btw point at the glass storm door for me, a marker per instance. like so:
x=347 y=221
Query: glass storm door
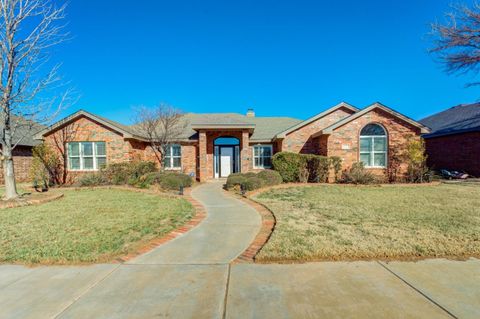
x=226 y=161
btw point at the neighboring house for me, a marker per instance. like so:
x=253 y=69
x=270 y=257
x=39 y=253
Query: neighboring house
x=218 y=144
x=454 y=142
x=22 y=154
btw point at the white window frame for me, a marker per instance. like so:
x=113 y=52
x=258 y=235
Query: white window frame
x=81 y=156
x=372 y=151
x=259 y=156
x=170 y=164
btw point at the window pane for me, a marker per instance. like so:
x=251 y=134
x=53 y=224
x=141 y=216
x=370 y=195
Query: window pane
x=380 y=144
x=167 y=162
x=73 y=149
x=256 y=150
x=101 y=148
x=177 y=162
x=87 y=149
x=267 y=161
x=267 y=151
x=257 y=162
x=365 y=159
x=379 y=159
x=101 y=162
x=365 y=144
x=74 y=162
x=372 y=129
x=169 y=151
x=88 y=163
x=177 y=150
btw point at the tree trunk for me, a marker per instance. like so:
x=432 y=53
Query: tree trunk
x=9 y=175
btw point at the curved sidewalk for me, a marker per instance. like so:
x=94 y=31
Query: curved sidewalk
x=228 y=229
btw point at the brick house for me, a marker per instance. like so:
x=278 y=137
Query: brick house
x=214 y=145
x=22 y=153
x=454 y=142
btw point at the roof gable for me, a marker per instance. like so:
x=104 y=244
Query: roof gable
x=377 y=105
x=126 y=131
x=297 y=126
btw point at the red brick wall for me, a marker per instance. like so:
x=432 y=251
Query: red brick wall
x=206 y=151
x=457 y=152
x=344 y=141
x=22 y=161
x=301 y=141
x=85 y=129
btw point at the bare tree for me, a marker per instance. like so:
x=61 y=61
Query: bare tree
x=28 y=30
x=457 y=41
x=162 y=126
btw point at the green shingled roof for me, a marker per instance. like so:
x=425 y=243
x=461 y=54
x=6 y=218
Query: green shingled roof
x=265 y=127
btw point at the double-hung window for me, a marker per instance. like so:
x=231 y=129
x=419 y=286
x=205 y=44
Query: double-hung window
x=87 y=156
x=373 y=146
x=173 y=157
x=262 y=156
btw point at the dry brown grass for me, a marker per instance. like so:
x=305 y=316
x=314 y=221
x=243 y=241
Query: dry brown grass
x=334 y=222
x=87 y=226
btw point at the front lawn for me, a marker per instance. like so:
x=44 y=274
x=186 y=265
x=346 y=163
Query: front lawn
x=339 y=222
x=88 y=225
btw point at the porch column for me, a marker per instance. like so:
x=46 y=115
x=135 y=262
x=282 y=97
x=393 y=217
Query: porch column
x=202 y=156
x=245 y=152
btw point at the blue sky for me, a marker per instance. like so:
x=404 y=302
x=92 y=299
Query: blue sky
x=284 y=58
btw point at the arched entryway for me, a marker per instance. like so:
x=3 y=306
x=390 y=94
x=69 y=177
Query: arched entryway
x=226 y=159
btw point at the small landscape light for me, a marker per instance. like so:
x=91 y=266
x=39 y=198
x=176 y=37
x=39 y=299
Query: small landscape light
x=180 y=191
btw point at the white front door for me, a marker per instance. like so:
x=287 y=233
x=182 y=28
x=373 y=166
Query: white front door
x=226 y=161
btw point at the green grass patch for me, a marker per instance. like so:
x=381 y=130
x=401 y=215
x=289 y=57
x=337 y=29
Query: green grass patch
x=338 y=222
x=88 y=225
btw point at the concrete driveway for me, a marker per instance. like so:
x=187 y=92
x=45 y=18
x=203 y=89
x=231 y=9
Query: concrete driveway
x=193 y=277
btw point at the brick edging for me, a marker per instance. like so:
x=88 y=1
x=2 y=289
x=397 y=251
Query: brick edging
x=200 y=214
x=30 y=202
x=266 y=230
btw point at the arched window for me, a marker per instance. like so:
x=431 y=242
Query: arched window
x=373 y=146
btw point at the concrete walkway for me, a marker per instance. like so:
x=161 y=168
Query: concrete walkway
x=193 y=277
x=228 y=230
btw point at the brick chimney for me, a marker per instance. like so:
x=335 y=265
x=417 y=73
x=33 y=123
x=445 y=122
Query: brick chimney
x=250 y=113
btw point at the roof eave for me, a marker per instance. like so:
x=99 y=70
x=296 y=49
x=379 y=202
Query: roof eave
x=331 y=128
x=77 y=114
x=284 y=133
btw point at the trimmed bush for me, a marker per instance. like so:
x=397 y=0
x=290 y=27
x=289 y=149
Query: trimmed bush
x=235 y=180
x=317 y=167
x=166 y=180
x=92 y=179
x=173 y=181
x=253 y=183
x=128 y=172
x=270 y=177
x=336 y=164
x=289 y=165
x=358 y=175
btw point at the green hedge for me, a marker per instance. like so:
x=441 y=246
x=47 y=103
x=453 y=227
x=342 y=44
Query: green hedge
x=127 y=172
x=139 y=174
x=251 y=181
x=166 y=180
x=289 y=166
x=294 y=167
